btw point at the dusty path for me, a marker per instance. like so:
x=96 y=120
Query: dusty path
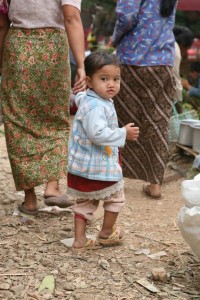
x=31 y=249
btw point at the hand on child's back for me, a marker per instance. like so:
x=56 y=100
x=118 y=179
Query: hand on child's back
x=132 y=132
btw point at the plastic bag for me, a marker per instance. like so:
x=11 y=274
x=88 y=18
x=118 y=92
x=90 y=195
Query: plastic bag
x=189 y=215
x=189 y=225
x=196 y=162
x=191 y=192
x=197 y=177
x=175 y=121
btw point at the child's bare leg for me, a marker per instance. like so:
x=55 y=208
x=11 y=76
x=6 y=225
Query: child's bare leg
x=80 y=232
x=108 y=223
x=112 y=207
x=84 y=211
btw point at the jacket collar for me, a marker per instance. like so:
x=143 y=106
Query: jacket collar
x=91 y=93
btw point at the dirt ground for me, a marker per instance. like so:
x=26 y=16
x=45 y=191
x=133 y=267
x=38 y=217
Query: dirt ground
x=32 y=253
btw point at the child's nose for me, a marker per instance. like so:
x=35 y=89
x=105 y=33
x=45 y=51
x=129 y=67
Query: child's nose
x=111 y=83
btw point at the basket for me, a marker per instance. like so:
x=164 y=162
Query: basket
x=175 y=120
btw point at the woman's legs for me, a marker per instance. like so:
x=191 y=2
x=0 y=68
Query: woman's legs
x=154 y=190
x=52 y=188
x=37 y=144
x=149 y=93
x=30 y=200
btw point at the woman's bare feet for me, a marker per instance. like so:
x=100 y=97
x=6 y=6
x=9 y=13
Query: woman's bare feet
x=52 y=189
x=30 y=200
x=153 y=190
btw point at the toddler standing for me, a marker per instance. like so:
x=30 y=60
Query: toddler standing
x=94 y=168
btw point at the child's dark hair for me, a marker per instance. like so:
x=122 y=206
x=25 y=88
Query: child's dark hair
x=195 y=66
x=183 y=36
x=98 y=59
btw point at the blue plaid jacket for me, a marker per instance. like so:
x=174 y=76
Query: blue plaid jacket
x=93 y=150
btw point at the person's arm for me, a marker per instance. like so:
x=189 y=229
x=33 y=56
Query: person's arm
x=192 y=91
x=4 y=26
x=127 y=17
x=75 y=33
x=195 y=91
x=96 y=127
x=98 y=132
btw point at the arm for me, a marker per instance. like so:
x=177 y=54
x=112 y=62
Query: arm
x=98 y=132
x=195 y=91
x=75 y=33
x=127 y=17
x=4 y=26
x=192 y=91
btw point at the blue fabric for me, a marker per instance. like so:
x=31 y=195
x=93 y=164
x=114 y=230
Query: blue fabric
x=195 y=91
x=95 y=126
x=141 y=35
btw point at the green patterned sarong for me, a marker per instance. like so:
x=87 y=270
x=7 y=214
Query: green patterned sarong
x=35 y=101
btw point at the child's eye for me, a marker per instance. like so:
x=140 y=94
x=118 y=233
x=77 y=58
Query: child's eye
x=103 y=79
x=117 y=79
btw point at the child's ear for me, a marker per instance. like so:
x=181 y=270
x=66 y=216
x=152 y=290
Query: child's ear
x=88 y=82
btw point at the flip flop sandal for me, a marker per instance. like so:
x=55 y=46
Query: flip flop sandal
x=26 y=211
x=61 y=201
x=89 y=245
x=148 y=193
x=115 y=238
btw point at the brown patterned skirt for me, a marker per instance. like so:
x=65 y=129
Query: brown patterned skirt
x=35 y=101
x=146 y=98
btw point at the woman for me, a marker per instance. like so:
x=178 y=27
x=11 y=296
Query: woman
x=35 y=92
x=144 y=40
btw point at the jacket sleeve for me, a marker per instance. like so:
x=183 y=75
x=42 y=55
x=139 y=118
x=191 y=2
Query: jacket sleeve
x=98 y=132
x=127 y=17
x=79 y=98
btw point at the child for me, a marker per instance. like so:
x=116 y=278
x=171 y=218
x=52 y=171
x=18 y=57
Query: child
x=94 y=170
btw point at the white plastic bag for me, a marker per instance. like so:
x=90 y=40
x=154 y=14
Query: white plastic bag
x=191 y=192
x=197 y=177
x=189 y=215
x=189 y=225
x=196 y=162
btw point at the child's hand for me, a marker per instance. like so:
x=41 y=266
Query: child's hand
x=132 y=132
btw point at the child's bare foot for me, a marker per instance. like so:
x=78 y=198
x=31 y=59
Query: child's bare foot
x=80 y=243
x=88 y=245
x=111 y=237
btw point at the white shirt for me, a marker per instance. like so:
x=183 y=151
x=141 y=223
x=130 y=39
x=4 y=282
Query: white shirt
x=176 y=70
x=39 y=13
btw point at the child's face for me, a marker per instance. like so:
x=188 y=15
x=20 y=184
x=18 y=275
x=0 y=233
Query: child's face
x=194 y=75
x=105 y=82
